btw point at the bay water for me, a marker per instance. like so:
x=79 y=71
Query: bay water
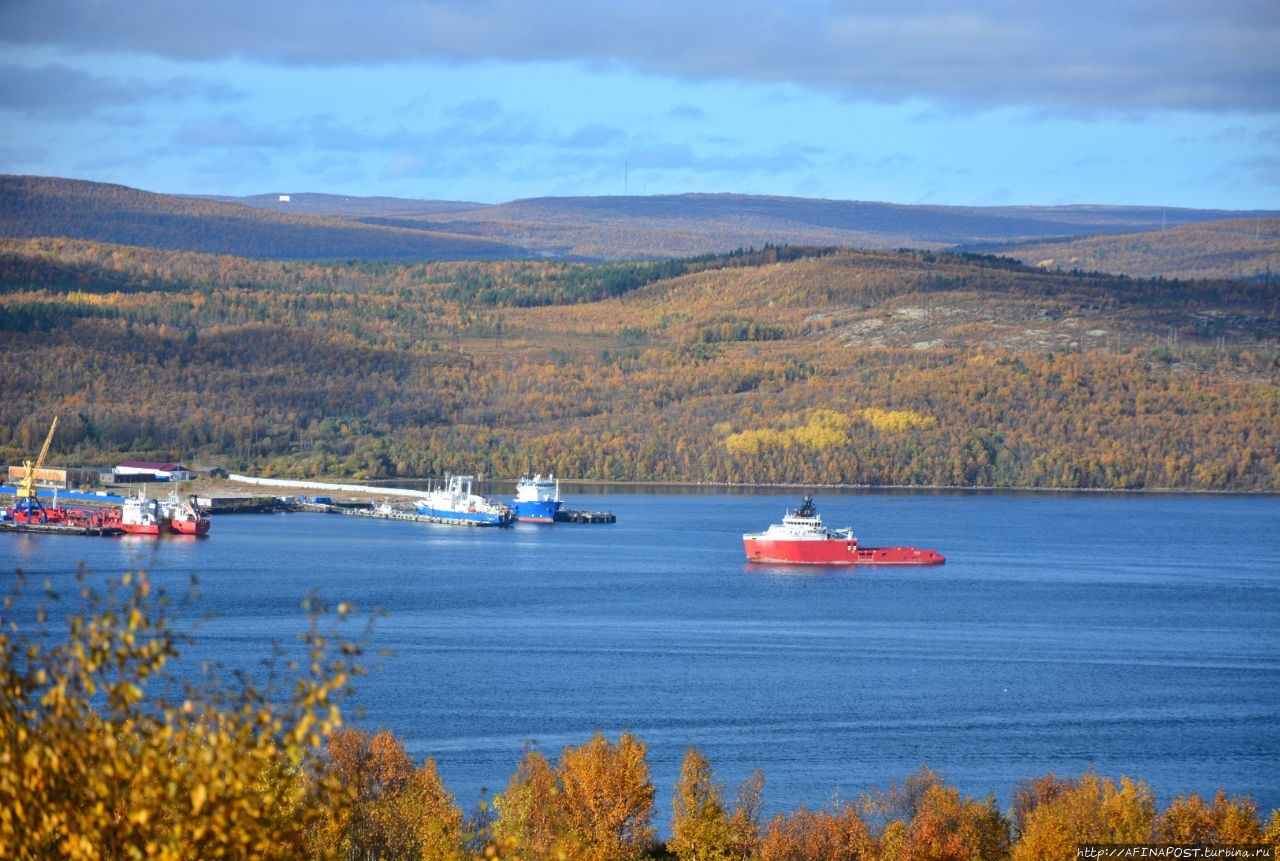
x=1133 y=635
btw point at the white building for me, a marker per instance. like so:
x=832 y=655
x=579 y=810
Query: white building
x=152 y=470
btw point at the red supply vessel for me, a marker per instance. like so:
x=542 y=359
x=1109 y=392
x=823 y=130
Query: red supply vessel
x=802 y=539
x=185 y=518
x=142 y=515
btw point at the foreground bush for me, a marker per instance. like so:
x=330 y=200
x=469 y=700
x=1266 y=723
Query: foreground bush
x=99 y=760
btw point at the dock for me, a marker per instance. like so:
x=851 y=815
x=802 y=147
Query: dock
x=386 y=510
x=57 y=528
x=566 y=516
x=386 y=513
x=391 y=513
x=238 y=504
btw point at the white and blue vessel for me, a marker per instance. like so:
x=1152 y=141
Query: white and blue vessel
x=537 y=499
x=455 y=503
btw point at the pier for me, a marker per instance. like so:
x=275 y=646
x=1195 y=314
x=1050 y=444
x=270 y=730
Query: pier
x=386 y=510
x=58 y=528
x=566 y=516
x=388 y=513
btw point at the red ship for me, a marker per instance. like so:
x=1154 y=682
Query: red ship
x=802 y=539
x=184 y=517
x=143 y=516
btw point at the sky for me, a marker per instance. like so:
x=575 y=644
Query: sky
x=1171 y=103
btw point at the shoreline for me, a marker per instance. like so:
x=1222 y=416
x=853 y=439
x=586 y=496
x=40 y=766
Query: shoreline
x=394 y=487
x=258 y=487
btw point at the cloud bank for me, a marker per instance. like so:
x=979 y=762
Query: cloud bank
x=1086 y=56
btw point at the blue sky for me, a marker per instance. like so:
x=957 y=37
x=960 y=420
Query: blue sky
x=1151 y=102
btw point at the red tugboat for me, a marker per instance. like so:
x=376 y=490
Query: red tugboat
x=802 y=539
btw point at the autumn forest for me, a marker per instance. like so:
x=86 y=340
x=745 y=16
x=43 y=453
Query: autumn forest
x=776 y=365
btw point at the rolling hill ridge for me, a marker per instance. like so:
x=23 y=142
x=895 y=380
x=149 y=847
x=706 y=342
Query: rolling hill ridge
x=308 y=226
x=43 y=207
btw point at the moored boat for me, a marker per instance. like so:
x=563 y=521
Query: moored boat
x=802 y=539
x=455 y=503
x=142 y=515
x=537 y=499
x=184 y=517
x=58 y=519
x=30 y=510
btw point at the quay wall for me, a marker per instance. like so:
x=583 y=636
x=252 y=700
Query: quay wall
x=325 y=485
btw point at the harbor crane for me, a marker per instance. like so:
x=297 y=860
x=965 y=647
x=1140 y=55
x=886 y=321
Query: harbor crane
x=28 y=503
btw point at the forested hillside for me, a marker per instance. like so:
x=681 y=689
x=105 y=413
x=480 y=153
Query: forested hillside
x=780 y=366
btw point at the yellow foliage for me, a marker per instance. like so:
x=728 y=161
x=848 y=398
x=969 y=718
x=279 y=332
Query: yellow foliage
x=818 y=437
x=702 y=827
x=83 y=298
x=1089 y=810
x=762 y=440
x=138 y=777
x=1188 y=819
x=837 y=834
x=597 y=805
x=607 y=800
x=823 y=429
x=699 y=824
x=897 y=421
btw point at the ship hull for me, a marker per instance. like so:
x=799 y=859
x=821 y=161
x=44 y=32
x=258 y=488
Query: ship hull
x=140 y=528
x=536 y=511
x=801 y=552
x=833 y=551
x=465 y=517
x=189 y=527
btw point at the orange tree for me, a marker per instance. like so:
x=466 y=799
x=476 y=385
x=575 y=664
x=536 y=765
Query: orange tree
x=596 y=805
x=396 y=810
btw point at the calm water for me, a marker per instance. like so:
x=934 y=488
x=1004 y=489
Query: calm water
x=1132 y=635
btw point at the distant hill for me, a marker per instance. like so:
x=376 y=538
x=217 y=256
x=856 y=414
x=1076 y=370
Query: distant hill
x=1237 y=248
x=32 y=207
x=681 y=225
x=710 y=220
x=346 y=206
x=321 y=226
x=614 y=228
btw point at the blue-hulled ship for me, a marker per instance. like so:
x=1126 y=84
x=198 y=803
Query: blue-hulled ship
x=455 y=503
x=537 y=499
